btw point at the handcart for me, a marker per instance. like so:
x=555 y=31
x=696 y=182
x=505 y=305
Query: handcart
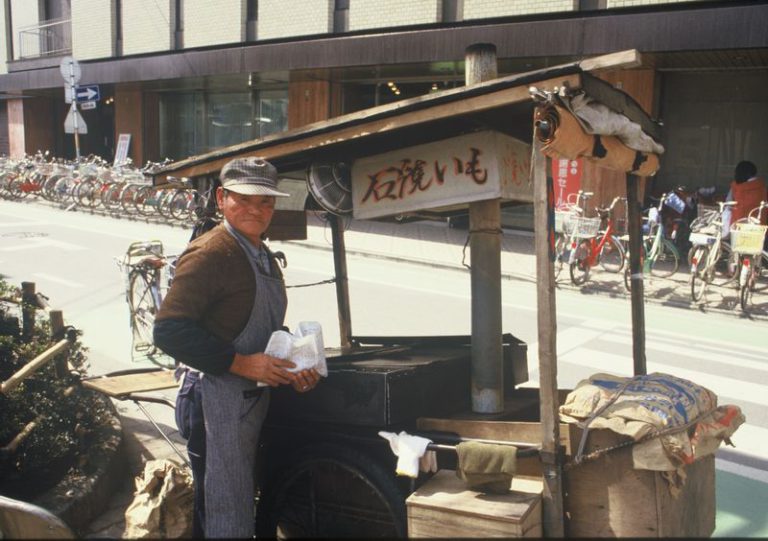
x=323 y=470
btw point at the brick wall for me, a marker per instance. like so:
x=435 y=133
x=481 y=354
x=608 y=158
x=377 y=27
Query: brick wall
x=280 y=18
x=147 y=26
x=24 y=13
x=86 y=16
x=210 y=22
x=3 y=44
x=628 y=3
x=365 y=14
x=480 y=9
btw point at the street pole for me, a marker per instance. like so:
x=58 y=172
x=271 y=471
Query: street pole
x=634 y=228
x=74 y=110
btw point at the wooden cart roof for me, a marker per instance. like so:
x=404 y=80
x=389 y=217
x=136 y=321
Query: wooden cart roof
x=501 y=104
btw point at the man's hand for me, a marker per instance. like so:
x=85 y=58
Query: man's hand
x=264 y=368
x=305 y=380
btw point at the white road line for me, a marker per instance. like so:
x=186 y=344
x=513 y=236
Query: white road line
x=23 y=224
x=739 y=469
x=37 y=243
x=57 y=280
x=728 y=356
x=727 y=389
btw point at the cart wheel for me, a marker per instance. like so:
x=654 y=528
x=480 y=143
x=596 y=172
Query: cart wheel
x=332 y=491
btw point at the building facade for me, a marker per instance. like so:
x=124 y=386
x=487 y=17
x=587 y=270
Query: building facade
x=183 y=77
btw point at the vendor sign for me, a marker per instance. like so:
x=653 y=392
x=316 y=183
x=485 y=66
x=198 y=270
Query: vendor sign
x=459 y=170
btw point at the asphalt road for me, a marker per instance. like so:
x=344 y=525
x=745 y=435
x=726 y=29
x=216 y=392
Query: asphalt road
x=70 y=257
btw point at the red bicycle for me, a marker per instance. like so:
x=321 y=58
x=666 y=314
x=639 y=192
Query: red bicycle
x=592 y=246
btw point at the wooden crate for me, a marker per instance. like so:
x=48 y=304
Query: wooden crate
x=607 y=497
x=444 y=507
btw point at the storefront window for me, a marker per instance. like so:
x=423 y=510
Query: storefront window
x=193 y=123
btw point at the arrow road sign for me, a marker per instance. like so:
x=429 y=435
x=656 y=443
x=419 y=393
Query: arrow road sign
x=87 y=93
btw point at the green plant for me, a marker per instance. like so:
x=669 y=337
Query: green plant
x=55 y=414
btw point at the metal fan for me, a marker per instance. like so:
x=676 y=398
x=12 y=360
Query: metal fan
x=330 y=185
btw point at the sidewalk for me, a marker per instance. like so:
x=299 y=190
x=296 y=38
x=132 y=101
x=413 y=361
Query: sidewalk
x=426 y=243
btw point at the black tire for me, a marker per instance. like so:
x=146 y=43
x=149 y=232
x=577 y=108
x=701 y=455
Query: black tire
x=560 y=253
x=667 y=262
x=128 y=198
x=144 y=200
x=332 y=491
x=179 y=204
x=747 y=288
x=579 y=269
x=612 y=255
x=143 y=309
x=700 y=275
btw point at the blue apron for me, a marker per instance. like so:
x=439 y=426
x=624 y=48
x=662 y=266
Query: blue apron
x=234 y=410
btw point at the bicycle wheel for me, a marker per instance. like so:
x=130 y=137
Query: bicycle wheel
x=749 y=283
x=699 y=272
x=178 y=205
x=332 y=491
x=612 y=255
x=667 y=261
x=579 y=269
x=560 y=253
x=143 y=309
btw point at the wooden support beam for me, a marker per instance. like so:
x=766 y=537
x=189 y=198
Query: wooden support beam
x=485 y=248
x=551 y=458
x=634 y=228
x=342 y=280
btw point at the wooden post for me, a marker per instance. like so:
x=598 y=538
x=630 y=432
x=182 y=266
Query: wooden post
x=28 y=303
x=57 y=330
x=634 y=228
x=342 y=281
x=543 y=206
x=485 y=248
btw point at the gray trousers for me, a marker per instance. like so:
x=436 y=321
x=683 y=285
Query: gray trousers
x=234 y=410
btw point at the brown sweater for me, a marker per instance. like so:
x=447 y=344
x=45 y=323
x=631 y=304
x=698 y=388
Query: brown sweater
x=213 y=284
x=209 y=302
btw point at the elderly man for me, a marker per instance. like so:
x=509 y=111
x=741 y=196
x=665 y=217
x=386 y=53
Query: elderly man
x=227 y=298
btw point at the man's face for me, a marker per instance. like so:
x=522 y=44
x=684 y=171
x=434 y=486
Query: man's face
x=248 y=214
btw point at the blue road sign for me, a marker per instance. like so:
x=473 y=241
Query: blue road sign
x=87 y=93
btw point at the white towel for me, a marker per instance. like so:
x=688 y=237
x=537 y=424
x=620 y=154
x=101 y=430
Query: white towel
x=409 y=450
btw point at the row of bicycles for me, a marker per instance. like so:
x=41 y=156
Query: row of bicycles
x=584 y=243
x=93 y=184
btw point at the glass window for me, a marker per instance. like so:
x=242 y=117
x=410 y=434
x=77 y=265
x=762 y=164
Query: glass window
x=192 y=123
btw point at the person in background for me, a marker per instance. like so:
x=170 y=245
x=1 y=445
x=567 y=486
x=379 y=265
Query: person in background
x=747 y=189
x=226 y=299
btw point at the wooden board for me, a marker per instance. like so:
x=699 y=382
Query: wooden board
x=444 y=507
x=120 y=386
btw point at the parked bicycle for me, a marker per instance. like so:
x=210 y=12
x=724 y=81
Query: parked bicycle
x=748 y=242
x=604 y=248
x=707 y=251
x=659 y=256
x=148 y=272
x=574 y=208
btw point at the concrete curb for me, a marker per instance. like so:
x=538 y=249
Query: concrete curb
x=78 y=501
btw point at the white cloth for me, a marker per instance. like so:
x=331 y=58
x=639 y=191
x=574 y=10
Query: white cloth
x=409 y=450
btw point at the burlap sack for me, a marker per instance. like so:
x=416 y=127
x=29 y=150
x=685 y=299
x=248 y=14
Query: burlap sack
x=162 y=504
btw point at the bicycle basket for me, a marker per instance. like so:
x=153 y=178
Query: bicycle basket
x=145 y=248
x=585 y=228
x=701 y=239
x=563 y=222
x=747 y=238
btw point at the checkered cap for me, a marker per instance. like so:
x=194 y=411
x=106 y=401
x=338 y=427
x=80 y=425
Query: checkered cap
x=250 y=176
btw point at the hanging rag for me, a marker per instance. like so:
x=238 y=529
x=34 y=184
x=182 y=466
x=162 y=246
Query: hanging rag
x=410 y=451
x=486 y=467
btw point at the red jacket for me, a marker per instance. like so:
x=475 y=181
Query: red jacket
x=748 y=196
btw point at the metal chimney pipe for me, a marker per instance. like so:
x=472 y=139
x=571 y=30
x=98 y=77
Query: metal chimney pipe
x=485 y=248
